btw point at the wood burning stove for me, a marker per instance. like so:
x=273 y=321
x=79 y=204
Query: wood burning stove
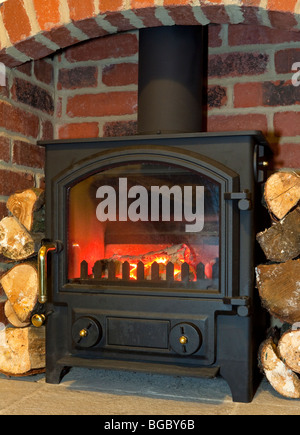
x=154 y=247
x=168 y=288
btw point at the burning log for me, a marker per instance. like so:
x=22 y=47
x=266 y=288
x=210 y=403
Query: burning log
x=152 y=265
x=170 y=254
x=22 y=350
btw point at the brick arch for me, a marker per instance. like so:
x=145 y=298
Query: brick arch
x=33 y=29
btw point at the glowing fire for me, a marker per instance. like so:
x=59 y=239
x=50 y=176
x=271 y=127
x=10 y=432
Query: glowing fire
x=163 y=260
x=133 y=269
x=176 y=255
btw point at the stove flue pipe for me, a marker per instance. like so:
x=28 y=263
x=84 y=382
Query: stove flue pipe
x=171 y=79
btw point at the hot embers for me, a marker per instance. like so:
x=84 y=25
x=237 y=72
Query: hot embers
x=174 y=263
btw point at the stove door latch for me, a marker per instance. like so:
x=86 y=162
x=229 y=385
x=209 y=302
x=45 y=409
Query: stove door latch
x=46 y=247
x=242 y=305
x=38 y=319
x=243 y=198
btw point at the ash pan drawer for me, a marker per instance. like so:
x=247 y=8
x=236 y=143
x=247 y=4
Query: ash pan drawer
x=138 y=333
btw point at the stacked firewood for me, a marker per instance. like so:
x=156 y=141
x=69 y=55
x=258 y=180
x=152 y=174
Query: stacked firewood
x=278 y=283
x=22 y=346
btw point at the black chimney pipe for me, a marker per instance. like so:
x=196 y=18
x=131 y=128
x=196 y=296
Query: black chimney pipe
x=171 y=79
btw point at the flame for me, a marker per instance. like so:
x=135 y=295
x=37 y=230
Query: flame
x=159 y=260
x=163 y=260
x=132 y=273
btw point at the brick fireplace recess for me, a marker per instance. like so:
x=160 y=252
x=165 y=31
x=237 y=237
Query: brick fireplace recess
x=71 y=73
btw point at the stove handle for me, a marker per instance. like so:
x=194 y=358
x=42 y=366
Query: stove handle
x=47 y=246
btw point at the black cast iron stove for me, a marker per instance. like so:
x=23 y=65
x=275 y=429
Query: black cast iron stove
x=154 y=235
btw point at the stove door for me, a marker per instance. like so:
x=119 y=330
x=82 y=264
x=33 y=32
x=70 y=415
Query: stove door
x=147 y=224
x=148 y=220
x=150 y=253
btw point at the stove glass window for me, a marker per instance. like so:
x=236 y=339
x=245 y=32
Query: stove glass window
x=145 y=224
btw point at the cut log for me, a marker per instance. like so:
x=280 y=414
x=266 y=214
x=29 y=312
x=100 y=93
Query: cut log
x=20 y=285
x=282 y=379
x=22 y=350
x=282 y=193
x=279 y=289
x=12 y=318
x=289 y=350
x=15 y=242
x=281 y=242
x=27 y=207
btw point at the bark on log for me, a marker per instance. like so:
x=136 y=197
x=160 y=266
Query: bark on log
x=20 y=285
x=15 y=242
x=22 y=350
x=289 y=350
x=27 y=207
x=3 y=319
x=281 y=242
x=279 y=289
x=282 y=193
x=282 y=379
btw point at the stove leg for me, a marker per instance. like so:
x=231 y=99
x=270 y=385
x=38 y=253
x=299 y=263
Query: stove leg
x=237 y=356
x=241 y=385
x=54 y=375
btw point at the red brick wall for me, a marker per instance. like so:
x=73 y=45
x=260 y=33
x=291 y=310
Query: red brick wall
x=250 y=88
x=250 y=78
x=27 y=105
x=97 y=87
x=90 y=90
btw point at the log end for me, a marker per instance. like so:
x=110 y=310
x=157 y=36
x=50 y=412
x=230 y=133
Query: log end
x=289 y=350
x=282 y=379
x=22 y=350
